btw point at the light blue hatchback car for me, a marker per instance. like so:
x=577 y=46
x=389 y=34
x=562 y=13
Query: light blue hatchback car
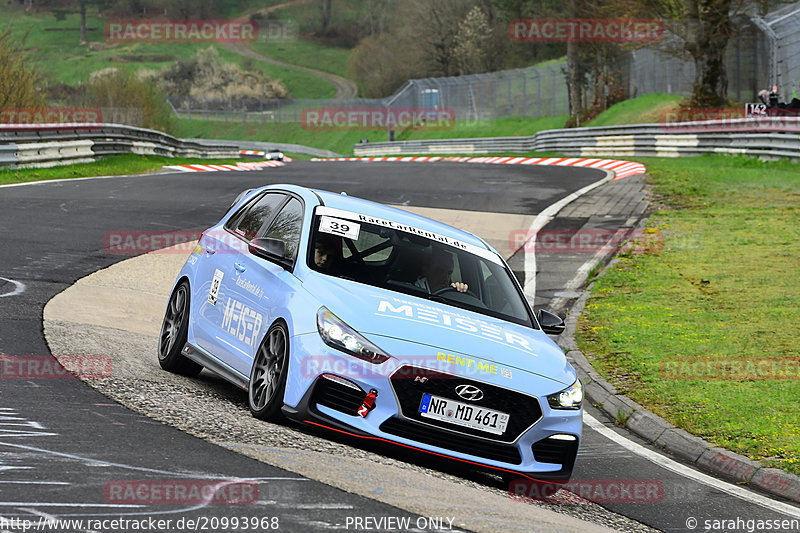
x=370 y=320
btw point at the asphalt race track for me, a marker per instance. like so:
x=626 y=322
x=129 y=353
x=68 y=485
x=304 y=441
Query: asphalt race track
x=62 y=443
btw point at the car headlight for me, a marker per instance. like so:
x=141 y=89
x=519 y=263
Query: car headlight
x=339 y=335
x=569 y=398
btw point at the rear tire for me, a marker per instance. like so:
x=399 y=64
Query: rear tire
x=268 y=376
x=174 y=331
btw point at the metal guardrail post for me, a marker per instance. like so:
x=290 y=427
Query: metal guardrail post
x=772 y=138
x=55 y=144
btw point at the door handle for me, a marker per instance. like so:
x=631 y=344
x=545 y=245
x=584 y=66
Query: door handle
x=210 y=251
x=239 y=267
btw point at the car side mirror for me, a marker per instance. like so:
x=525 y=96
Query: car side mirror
x=551 y=324
x=270 y=249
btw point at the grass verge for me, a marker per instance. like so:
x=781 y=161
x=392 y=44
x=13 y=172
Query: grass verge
x=115 y=165
x=342 y=142
x=646 y=109
x=307 y=54
x=699 y=322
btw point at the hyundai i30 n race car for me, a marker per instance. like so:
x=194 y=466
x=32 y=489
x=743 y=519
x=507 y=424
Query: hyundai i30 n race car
x=370 y=320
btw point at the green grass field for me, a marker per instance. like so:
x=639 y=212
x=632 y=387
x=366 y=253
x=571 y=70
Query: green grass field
x=712 y=289
x=52 y=45
x=646 y=109
x=307 y=54
x=115 y=165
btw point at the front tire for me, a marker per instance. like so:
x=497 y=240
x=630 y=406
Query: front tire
x=174 y=331
x=268 y=375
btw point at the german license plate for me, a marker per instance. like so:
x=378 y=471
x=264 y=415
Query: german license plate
x=462 y=414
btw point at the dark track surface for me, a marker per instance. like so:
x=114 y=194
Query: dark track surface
x=53 y=234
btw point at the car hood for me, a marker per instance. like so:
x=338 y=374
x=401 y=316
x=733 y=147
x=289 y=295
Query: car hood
x=436 y=330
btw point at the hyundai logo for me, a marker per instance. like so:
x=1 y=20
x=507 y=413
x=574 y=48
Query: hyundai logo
x=469 y=392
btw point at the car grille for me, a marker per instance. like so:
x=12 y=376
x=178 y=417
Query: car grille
x=410 y=383
x=450 y=440
x=333 y=393
x=556 y=451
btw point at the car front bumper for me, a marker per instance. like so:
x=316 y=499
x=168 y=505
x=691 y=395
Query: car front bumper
x=327 y=389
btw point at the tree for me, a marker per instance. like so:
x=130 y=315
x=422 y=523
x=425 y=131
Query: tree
x=517 y=54
x=379 y=66
x=708 y=29
x=376 y=16
x=19 y=80
x=704 y=27
x=325 y=11
x=117 y=91
x=421 y=42
x=472 y=42
x=60 y=8
x=428 y=28
x=574 y=74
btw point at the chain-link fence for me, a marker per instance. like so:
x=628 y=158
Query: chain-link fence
x=288 y=110
x=529 y=92
x=782 y=42
x=764 y=51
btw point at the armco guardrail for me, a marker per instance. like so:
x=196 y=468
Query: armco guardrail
x=47 y=145
x=266 y=146
x=766 y=137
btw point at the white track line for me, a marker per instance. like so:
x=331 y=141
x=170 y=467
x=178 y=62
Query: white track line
x=583 y=271
x=34 y=483
x=541 y=221
x=19 y=288
x=690 y=473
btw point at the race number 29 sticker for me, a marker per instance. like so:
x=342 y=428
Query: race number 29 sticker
x=214 y=290
x=338 y=226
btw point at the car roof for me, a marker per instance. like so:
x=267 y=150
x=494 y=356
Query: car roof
x=374 y=209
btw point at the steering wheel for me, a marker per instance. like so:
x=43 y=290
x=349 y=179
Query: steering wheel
x=450 y=288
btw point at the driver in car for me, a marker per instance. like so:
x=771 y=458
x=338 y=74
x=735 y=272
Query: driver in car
x=436 y=272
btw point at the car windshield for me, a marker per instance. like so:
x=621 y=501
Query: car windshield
x=413 y=261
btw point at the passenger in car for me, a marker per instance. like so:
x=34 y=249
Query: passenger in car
x=436 y=272
x=328 y=253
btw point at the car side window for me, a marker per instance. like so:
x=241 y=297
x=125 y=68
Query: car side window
x=257 y=215
x=287 y=227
